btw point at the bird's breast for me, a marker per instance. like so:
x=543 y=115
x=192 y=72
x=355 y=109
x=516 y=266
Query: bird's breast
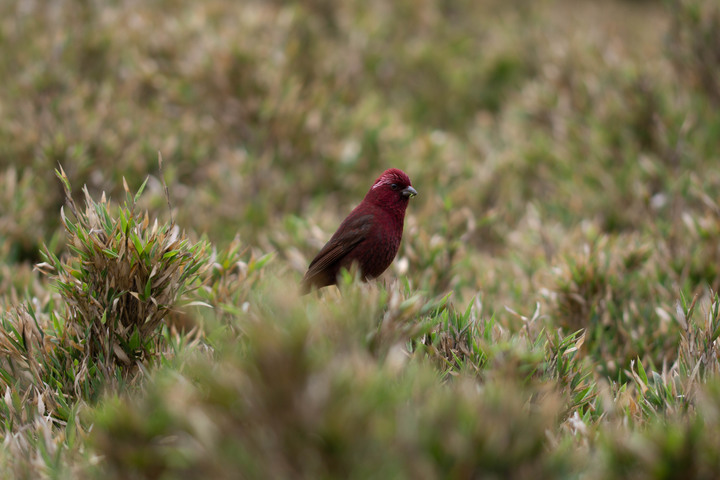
x=378 y=251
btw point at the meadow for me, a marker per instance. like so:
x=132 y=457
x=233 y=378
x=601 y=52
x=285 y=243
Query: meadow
x=169 y=168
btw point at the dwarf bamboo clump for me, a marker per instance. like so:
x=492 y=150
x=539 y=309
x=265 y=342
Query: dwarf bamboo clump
x=122 y=278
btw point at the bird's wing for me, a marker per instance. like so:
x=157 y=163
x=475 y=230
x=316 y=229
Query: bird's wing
x=349 y=234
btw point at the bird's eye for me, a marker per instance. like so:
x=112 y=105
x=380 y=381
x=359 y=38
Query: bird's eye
x=394 y=186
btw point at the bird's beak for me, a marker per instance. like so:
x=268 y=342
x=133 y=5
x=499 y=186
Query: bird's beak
x=409 y=192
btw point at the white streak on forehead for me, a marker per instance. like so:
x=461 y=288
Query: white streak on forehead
x=389 y=179
x=382 y=181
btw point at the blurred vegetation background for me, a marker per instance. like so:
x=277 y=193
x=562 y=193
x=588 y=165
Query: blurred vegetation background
x=551 y=311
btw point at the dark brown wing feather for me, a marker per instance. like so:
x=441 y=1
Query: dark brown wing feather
x=350 y=233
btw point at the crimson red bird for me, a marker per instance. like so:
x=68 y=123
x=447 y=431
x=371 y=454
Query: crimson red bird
x=370 y=236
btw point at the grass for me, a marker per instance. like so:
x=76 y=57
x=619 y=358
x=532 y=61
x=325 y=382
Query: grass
x=553 y=311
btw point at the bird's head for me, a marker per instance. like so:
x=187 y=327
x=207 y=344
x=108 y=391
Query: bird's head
x=392 y=189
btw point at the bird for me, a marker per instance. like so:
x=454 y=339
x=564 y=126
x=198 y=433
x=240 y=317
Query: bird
x=370 y=236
